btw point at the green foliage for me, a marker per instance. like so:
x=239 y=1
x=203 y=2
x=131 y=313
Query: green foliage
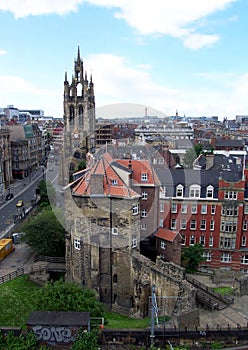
x=47 y=192
x=17 y=301
x=81 y=165
x=115 y=320
x=45 y=233
x=191 y=155
x=85 y=341
x=64 y=296
x=192 y=257
x=22 y=342
x=224 y=290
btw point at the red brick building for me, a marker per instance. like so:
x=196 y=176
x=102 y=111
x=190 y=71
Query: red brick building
x=209 y=206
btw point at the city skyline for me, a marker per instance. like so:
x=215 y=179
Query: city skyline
x=189 y=56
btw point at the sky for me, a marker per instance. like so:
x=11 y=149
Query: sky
x=189 y=56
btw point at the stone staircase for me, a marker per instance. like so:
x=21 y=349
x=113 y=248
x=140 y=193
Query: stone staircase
x=207 y=297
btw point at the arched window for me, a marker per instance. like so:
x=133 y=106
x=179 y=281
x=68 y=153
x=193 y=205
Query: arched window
x=71 y=111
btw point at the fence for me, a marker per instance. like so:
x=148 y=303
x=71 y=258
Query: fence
x=50 y=259
x=12 y=275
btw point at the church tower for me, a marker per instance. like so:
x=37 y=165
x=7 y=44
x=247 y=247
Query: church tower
x=79 y=110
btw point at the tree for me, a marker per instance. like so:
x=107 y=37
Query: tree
x=82 y=165
x=67 y=296
x=191 y=155
x=45 y=233
x=85 y=341
x=192 y=256
x=46 y=191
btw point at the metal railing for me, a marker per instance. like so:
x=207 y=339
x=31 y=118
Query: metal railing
x=10 y=276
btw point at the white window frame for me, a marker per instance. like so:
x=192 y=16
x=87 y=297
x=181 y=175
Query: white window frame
x=179 y=191
x=144 y=177
x=207 y=256
x=246 y=209
x=203 y=225
x=226 y=258
x=173 y=208
x=162 y=244
x=204 y=209
x=244 y=259
x=211 y=241
x=231 y=195
x=192 y=240
x=195 y=191
x=184 y=208
x=77 y=243
x=134 y=241
x=183 y=242
x=114 y=182
x=161 y=222
x=144 y=196
x=183 y=224
x=143 y=226
x=244 y=225
x=161 y=207
x=143 y=213
x=210 y=192
x=136 y=209
x=114 y=231
x=173 y=224
x=193 y=208
x=212 y=225
x=202 y=240
x=213 y=209
x=193 y=227
x=243 y=241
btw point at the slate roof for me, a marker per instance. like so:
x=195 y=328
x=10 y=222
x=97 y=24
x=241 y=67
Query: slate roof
x=58 y=318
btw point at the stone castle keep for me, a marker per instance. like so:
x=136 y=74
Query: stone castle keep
x=103 y=220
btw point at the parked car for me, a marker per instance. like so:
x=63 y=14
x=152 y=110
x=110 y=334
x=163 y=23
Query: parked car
x=20 y=203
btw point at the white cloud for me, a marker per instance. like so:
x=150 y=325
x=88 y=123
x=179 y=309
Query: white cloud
x=3 y=52
x=176 y=18
x=24 y=8
x=23 y=94
x=117 y=82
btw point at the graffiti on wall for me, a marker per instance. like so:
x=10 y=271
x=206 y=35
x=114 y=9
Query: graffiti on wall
x=54 y=334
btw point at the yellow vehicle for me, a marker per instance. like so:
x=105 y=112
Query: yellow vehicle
x=6 y=247
x=20 y=203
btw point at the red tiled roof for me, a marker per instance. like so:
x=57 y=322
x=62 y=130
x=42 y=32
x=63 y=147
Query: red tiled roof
x=140 y=167
x=112 y=184
x=166 y=234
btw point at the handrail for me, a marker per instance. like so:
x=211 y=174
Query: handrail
x=50 y=259
x=225 y=299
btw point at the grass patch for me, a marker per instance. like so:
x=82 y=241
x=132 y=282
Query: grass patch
x=115 y=320
x=224 y=290
x=16 y=302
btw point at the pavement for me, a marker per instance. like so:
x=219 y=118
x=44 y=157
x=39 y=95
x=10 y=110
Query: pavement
x=19 y=185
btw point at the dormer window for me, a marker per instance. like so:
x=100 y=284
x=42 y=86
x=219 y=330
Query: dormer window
x=179 y=191
x=144 y=177
x=210 y=192
x=195 y=191
x=114 y=182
